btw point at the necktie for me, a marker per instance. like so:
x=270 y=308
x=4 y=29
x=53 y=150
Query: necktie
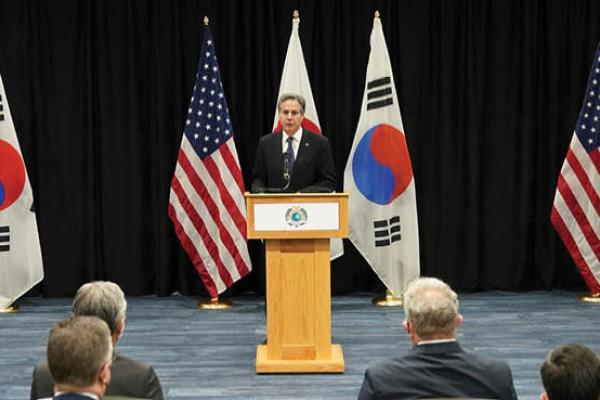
x=290 y=153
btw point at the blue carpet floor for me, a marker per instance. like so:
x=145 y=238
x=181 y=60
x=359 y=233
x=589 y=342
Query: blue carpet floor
x=210 y=354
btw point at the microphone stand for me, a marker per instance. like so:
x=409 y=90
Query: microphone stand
x=286 y=176
x=286 y=172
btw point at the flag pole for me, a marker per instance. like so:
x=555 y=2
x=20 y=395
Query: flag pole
x=13 y=308
x=214 y=303
x=382 y=254
x=387 y=300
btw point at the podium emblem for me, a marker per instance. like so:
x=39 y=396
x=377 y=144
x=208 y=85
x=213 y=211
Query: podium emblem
x=296 y=216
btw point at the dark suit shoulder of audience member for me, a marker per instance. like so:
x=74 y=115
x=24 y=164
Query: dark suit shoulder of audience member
x=437 y=366
x=130 y=378
x=438 y=371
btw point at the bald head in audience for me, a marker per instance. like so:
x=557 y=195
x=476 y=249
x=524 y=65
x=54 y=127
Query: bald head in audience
x=431 y=310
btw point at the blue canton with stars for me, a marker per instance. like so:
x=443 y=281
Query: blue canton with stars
x=588 y=124
x=208 y=125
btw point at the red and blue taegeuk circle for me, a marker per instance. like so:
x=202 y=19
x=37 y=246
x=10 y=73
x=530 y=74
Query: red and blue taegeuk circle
x=381 y=164
x=12 y=174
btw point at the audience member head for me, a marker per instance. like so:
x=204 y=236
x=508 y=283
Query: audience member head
x=79 y=355
x=431 y=310
x=104 y=300
x=571 y=372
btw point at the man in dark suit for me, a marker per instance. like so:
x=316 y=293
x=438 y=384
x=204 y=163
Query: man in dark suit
x=293 y=159
x=130 y=378
x=437 y=366
x=79 y=357
x=571 y=371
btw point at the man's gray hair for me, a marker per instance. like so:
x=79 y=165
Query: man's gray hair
x=101 y=299
x=78 y=348
x=431 y=307
x=292 y=96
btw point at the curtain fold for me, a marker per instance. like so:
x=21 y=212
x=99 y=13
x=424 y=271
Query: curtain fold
x=489 y=93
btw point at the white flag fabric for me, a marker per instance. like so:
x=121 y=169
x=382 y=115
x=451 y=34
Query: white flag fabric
x=294 y=79
x=378 y=175
x=20 y=255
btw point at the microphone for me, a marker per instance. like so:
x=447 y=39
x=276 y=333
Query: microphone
x=286 y=170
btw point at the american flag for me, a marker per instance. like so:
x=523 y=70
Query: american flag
x=206 y=202
x=576 y=209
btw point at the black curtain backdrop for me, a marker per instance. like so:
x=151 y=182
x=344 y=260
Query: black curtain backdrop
x=489 y=94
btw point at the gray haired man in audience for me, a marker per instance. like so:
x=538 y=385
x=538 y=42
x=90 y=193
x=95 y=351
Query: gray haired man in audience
x=79 y=357
x=571 y=372
x=437 y=366
x=106 y=301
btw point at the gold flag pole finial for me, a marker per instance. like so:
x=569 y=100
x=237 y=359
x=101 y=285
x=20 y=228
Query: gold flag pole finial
x=296 y=14
x=376 y=13
x=205 y=20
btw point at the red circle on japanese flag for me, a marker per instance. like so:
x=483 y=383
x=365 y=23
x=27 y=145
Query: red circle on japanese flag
x=12 y=174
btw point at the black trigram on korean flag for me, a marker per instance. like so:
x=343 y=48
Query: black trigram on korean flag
x=1 y=109
x=387 y=231
x=379 y=93
x=4 y=238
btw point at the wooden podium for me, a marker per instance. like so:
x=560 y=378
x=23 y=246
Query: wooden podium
x=296 y=228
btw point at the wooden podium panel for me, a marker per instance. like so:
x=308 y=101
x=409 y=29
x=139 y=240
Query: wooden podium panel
x=298 y=292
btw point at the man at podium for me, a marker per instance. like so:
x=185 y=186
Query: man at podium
x=296 y=221
x=293 y=159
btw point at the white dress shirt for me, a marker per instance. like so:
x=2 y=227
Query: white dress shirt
x=297 y=136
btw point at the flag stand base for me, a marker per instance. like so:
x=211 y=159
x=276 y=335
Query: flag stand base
x=214 y=304
x=389 y=300
x=589 y=298
x=13 y=308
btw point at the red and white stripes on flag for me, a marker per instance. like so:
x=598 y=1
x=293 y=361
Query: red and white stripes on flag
x=206 y=202
x=294 y=79
x=576 y=208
